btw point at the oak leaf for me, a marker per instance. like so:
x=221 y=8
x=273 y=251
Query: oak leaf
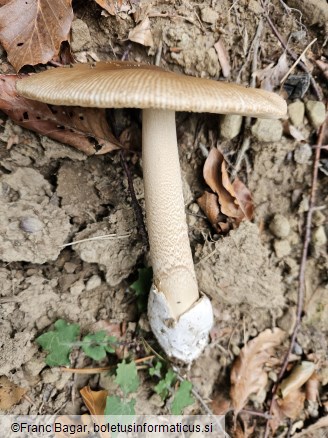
x=10 y=394
x=31 y=31
x=248 y=375
x=85 y=129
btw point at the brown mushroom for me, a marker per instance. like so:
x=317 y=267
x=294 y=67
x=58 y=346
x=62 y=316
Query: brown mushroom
x=180 y=318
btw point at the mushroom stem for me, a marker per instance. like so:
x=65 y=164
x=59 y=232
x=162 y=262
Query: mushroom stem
x=170 y=252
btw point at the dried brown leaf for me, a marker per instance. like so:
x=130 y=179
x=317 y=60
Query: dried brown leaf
x=270 y=76
x=312 y=388
x=244 y=198
x=113 y=7
x=223 y=57
x=31 y=31
x=247 y=374
x=95 y=401
x=208 y=202
x=216 y=176
x=141 y=34
x=299 y=375
x=10 y=394
x=85 y=129
x=290 y=407
x=307 y=433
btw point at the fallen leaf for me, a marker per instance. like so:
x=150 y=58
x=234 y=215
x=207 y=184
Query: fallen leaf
x=114 y=7
x=312 y=388
x=31 y=31
x=320 y=424
x=270 y=76
x=141 y=34
x=208 y=202
x=291 y=407
x=247 y=375
x=299 y=375
x=244 y=198
x=10 y=394
x=223 y=57
x=85 y=129
x=95 y=401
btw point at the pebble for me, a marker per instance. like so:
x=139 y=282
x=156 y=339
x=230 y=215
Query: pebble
x=230 y=126
x=77 y=288
x=93 y=282
x=31 y=224
x=80 y=35
x=194 y=208
x=282 y=248
x=70 y=267
x=287 y=321
x=298 y=350
x=208 y=15
x=316 y=112
x=279 y=226
x=235 y=349
x=319 y=237
x=296 y=112
x=267 y=130
x=303 y=153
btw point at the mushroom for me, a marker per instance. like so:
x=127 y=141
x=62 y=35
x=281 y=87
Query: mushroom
x=179 y=315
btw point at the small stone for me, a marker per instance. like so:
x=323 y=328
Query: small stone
x=280 y=226
x=303 y=153
x=208 y=15
x=194 y=208
x=235 y=349
x=316 y=112
x=267 y=130
x=319 y=237
x=80 y=35
x=230 y=126
x=31 y=224
x=287 y=321
x=297 y=349
x=296 y=113
x=70 y=267
x=191 y=220
x=282 y=248
x=93 y=282
x=273 y=376
x=143 y=323
x=77 y=288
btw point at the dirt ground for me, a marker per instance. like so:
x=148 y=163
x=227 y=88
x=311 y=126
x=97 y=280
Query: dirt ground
x=52 y=194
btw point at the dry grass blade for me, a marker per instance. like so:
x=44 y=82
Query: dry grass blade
x=247 y=374
x=31 y=31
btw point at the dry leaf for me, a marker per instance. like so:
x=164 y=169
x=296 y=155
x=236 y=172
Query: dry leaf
x=113 y=7
x=234 y=198
x=299 y=375
x=271 y=75
x=10 y=394
x=141 y=34
x=85 y=129
x=290 y=407
x=31 y=31
x=307 y=433
x=223 y=57
x=95 y=401
x=247 y=374
x=208 y=202
x=312 y=388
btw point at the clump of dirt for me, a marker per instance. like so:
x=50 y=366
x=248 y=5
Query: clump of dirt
x=237 y=270
x=32 y=226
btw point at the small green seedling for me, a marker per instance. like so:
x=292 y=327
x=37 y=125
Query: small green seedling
x=60 y=342
x=166 y=387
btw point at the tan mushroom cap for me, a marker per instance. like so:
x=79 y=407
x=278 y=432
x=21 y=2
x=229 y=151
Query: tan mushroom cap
x=122 y=84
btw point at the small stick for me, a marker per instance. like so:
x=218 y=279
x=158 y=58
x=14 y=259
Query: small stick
x=135 y=203
x=301 y=277
x=103 y=237
x=291 y=53
x=297 y=61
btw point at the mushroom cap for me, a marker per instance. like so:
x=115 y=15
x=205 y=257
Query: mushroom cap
x=122 y=84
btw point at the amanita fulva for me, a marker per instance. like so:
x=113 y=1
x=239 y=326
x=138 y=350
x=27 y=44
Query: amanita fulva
x=180 y=317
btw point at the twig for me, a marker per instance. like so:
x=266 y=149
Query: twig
x=315 y=86
x=135 y=203
x=247 y=141
x=301 y=276
x=103 y=237
x=297 y=61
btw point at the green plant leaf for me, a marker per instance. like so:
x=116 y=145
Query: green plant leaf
x=182 y=398
x=116 y=406
x=156 y=370
x=58 y=343
x=142 y=287
x=127 y=377
x=164 y=386
x=96 y=345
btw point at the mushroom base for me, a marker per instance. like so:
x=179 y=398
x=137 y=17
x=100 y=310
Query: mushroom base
x=185 y=338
